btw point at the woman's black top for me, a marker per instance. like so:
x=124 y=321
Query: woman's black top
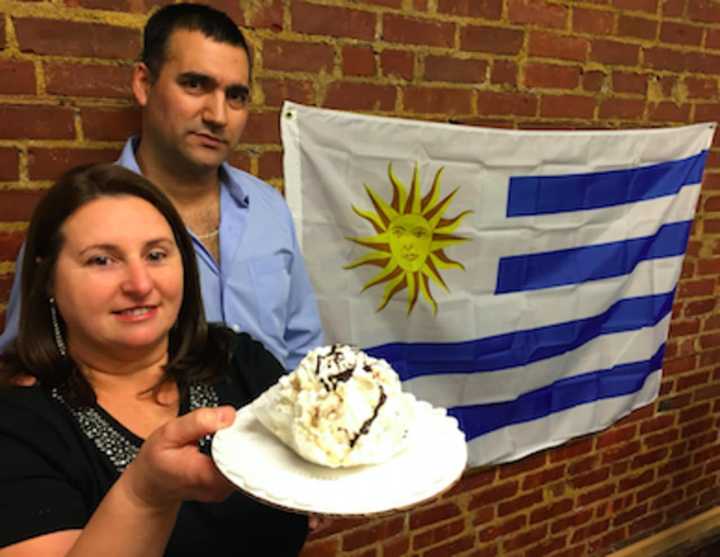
x=58 y=462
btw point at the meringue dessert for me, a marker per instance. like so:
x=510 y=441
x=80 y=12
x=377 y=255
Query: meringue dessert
x=339 y=408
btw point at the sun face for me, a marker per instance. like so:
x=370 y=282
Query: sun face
x=411 y=236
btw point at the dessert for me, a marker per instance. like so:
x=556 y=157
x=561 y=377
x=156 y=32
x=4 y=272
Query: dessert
x=340 y=407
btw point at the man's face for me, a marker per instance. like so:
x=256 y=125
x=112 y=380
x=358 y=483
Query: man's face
x=195 y=111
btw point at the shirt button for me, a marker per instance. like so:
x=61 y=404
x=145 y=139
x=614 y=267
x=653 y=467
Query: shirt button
x=236 y=328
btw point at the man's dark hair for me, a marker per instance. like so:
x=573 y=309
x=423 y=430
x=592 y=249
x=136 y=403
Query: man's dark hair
x=195 y=350
x=212 y=23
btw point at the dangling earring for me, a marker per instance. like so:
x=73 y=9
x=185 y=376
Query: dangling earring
x=59 y=342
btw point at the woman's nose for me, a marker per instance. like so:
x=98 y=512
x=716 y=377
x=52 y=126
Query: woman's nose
x=137 y=280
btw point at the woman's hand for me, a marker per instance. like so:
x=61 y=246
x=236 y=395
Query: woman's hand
x=170 y=468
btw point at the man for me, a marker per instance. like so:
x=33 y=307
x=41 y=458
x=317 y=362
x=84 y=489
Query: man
x=193 y=89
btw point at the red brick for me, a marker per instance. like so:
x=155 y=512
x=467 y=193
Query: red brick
x=447 y=68
x=110 y=124
x=593 y=80
x=327 y=547
x=710 y=358
x=552 y=76
x=358 y=60
x=664 y=59
x=88 y=80
x=502 y=528
x=625 y=109
x=673 y=403
x=542 y=478
x=704 y=10
x=72 y=38
x=534 y=12
x=701 y=88
x=270 y=165
x=620 y=452
x=50 y=163
x=666 y=500
x=276 y=91
x=527 y=464
x=583 y=465
x=396 y=547
x=709 y=392
x=701 y=441
x=696 y=412
x=296 y=56
x=572 y=450
x=472 y=480
x=18 y=205
x=699 y=307
x=491 y=103
x=630 y=482
x=680 y=33
x=614 y=52
x=520 y=503
x=553 y=510
x=712 y=323
x=706 y=112
x=697 y=428
x=483 y=515
x=9 y=164
x=649 y=457
x=360 y=96
x=332 y=20
x=595 y=22
x=550 y=45
x=567 y=106
x=637 y=27
x=36 y=122
x=405 y=30
x=437 y=513
x=494 y=494
x=637 y=415
x=595 y=495
x=373 y=533
x=684 y=328
x=595 y=477
x=712 y=38
x=700 y=485
x=451 y=548
x=10 y=243
x=438 y=100
x=263 y=15
x=656 y=424
x=652 y=490
x=438 y=534
x=484 y=9
x=397 y=63
x=2 y=32
x=630 y=515
x=669 y=112
x=687 y=382
x=699 y=287
x=497 y=40
x=524 y=539
x=673 y=8
x=640 y=5
x=701 y=62
x=263 y=127
x=18 y=77
x=590 y=530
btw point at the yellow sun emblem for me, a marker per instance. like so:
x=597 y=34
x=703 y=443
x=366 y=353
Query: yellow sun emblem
x=411 y=235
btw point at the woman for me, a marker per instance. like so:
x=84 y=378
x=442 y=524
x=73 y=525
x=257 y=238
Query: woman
x=100 y=454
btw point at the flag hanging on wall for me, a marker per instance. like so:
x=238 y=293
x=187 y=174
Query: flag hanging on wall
x=522 y=279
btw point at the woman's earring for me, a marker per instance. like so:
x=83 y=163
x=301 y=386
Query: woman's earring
x=59 y=342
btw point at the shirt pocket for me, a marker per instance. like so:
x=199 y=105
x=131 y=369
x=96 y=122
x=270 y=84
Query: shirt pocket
x=271 y=279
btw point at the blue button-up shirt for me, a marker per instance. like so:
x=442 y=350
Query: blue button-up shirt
x=260 y=286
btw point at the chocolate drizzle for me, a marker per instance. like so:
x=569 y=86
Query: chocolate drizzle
x=366 y=426
x=336 y=357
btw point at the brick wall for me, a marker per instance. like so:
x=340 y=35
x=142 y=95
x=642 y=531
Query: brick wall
x=64 y=99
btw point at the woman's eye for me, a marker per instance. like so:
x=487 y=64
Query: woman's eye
x=98 y=260
x=157 y=255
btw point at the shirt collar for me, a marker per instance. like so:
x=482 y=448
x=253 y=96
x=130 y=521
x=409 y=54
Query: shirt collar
x=227 y=177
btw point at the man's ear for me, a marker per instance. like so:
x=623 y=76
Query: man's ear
x=141 y=83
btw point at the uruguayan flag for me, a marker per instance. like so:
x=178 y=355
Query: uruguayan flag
x=523 y=280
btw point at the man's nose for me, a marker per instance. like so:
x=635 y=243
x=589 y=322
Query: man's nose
x=215 y=113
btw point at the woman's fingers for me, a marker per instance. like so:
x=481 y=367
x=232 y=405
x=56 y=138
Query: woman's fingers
x=193 y=426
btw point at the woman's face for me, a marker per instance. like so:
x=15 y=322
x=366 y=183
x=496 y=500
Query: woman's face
x=118 y=281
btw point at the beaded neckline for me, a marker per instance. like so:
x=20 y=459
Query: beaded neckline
x=113 y=442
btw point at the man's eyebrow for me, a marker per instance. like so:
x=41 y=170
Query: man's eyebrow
x=198 y=76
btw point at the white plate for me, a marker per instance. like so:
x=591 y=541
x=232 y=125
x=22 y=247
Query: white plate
x=261 y=465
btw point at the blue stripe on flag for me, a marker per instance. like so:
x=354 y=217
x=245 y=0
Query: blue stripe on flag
x=519 y=348
x=540 y=195
x=563 y=394
x=576 y=265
